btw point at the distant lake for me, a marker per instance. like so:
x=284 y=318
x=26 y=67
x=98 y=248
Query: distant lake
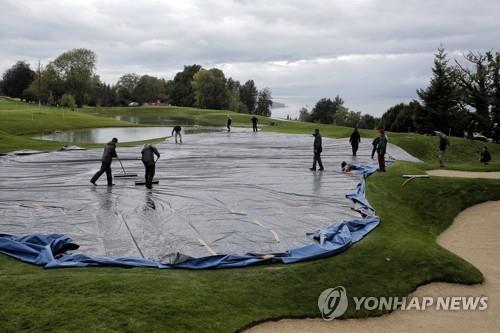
x=124 y=134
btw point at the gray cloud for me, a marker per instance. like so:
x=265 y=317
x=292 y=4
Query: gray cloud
x=373 y=53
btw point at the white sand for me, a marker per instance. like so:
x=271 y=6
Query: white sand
x=464 y=174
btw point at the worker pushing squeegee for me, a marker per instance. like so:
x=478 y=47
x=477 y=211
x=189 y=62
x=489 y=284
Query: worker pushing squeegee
x=106 y=159
x=148 y=152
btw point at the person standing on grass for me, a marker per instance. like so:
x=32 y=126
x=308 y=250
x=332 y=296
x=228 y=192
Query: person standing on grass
x=485 y=156
x=374 y=145
x=148 y=152
x=177 y=130
x=254 y=123
x=381 y=150
x=443 y=143
x=318 y=149
x=229 y=121
x=106 y=159
x=355 y=140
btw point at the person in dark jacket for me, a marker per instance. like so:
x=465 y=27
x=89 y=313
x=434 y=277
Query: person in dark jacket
x=374 y=145
x=148 y=152
x=381 y=150
x=346 y=167
x=443 y=143
x=318 y=149
x=229 y=121
x=355 y=140
x=485 y=156
x=106 y=159
x=177 y=130
x=255 y=120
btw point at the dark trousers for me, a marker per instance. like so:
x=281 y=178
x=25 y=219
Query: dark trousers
x=149 y=174
x=381 y=162
x=317 y=158
x=255 y=129
x=105 y=167
x=354 y=148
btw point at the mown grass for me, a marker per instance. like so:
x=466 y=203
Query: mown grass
x=132 y=300
x=20 y=122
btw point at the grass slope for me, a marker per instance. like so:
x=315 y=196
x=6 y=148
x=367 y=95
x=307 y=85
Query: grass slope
x=19 y=122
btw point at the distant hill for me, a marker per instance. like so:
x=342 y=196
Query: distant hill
x=277 y=105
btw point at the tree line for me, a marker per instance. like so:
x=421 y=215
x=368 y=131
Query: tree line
x=462 y=98
x=71 y=81
x=333 y=111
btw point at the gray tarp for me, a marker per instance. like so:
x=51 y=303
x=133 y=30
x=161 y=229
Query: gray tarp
x=219 y=192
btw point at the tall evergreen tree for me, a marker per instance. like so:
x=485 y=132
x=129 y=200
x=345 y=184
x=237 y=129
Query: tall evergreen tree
x=441 y=99
x=494 y=73
x=476 y=88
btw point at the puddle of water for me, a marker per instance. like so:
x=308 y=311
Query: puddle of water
x=124 y=134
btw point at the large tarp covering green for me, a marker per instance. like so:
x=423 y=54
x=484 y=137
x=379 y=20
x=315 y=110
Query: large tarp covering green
x=249 y=195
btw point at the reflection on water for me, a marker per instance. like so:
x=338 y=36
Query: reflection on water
x=124 y=134
x=154 y=120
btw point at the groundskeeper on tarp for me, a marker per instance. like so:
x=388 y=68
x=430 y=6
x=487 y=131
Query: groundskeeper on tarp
x=224 y=200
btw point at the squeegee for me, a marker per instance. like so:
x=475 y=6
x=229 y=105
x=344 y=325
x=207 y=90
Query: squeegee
x=144 y=183
x=125 y=174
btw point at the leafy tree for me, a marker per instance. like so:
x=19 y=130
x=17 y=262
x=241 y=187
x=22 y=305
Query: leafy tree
x=476 y=87
x=16 y=79
x=46 y=85
x=209 y=87
x=325 y=109
x=400 y=117
x=304 y=115
x=75 y=68
x=441 y=99
x=180 y=89
x=125 y=88
x=264 y=102
x=233 y=91
x=367 y=121
x=68 y=101
x=248 y=95
x=150 y=89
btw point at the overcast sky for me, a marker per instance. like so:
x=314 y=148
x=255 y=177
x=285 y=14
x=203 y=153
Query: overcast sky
x=373 y=53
